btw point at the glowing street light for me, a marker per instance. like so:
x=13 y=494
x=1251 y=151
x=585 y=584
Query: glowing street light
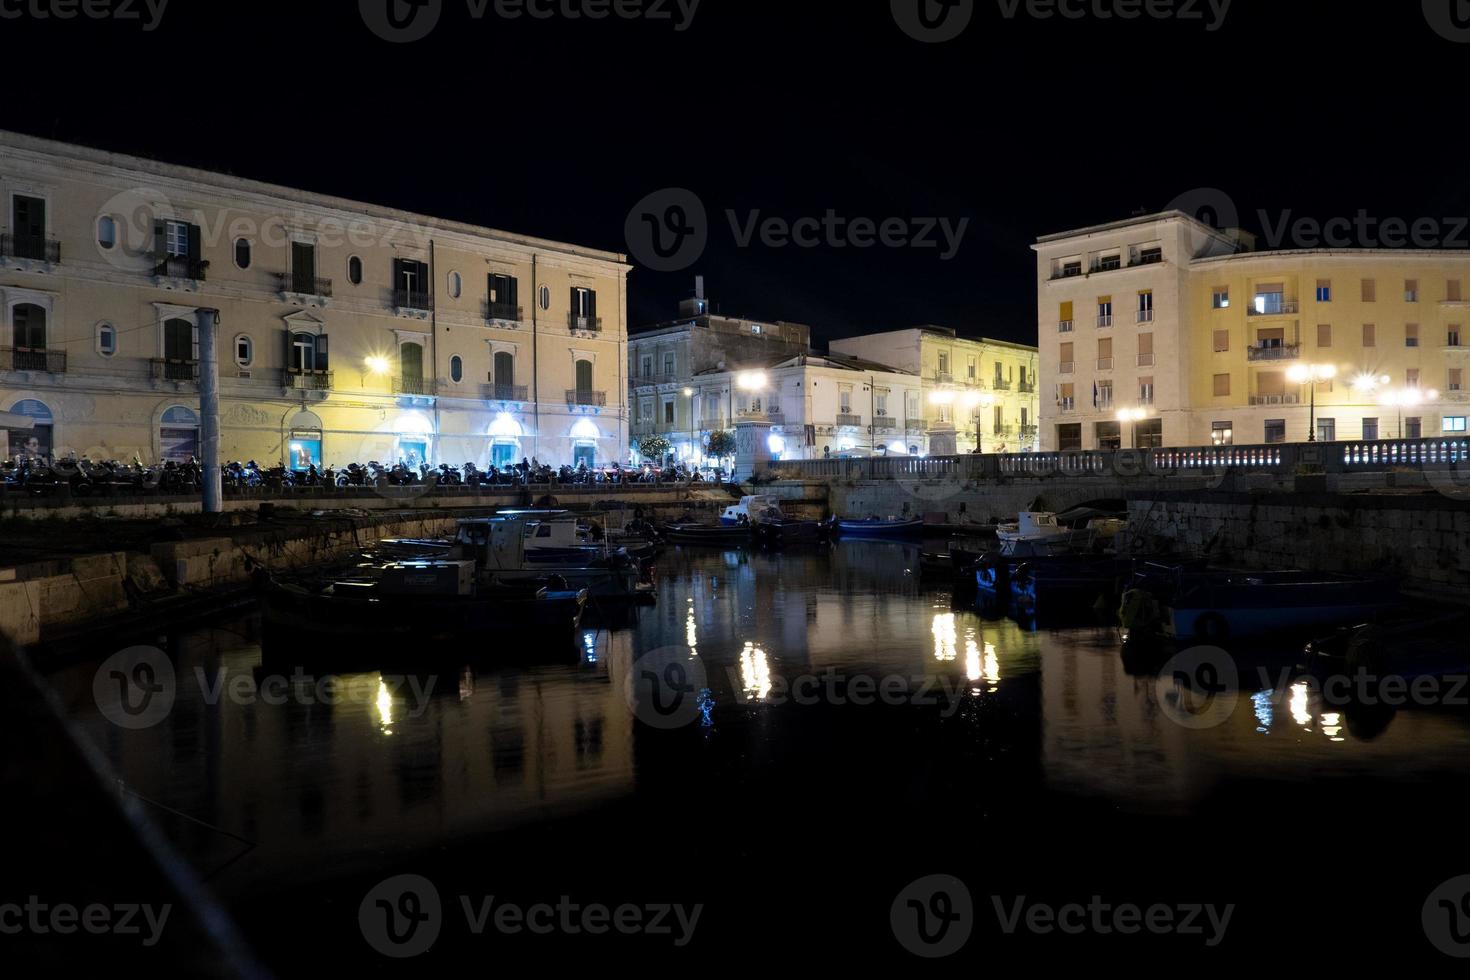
x=752 y=380
x=1410 y=397
x=1366 y=382
x=377 y=364
x=1313 y=375
x=1134 y=415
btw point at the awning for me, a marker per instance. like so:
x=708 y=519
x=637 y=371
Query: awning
x=9 y=420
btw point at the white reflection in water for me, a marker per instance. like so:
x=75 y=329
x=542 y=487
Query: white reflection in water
x=946 y=639
x=1265 y=711
x=1332 y=726
x=385 y=707
x=1300 y=712
x=755 y=673
x=980 y=667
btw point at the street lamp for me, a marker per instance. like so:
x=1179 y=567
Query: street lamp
x=1312 y=374
x=1410 y=397
x=974 y=400
x=1134 y=415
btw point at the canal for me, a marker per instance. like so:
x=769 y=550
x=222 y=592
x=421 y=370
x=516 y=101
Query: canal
x=850 y=730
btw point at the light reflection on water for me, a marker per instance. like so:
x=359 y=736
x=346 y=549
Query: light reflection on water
x=394 y=767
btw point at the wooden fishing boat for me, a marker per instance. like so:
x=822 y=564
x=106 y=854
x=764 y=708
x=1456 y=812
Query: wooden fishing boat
x=876 y=527
x=708 y=535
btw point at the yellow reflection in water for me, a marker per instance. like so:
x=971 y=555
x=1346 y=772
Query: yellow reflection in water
x=946 y=640
x=755 y=673
x=1332 y=726
x=978 y=668
x=1300 y=713
x=385 y=707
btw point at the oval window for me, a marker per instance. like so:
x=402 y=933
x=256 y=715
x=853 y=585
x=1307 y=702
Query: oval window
x=242 y=253
x=106 y=232
x=456 y=369
x=455 y=285
x=354 y=271
x=106 y=339
x=545 y=297
x=244 y=351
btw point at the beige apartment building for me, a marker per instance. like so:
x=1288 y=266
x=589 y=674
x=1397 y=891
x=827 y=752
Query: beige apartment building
x=975 y=394
x=347 y=331
x=1162 y=331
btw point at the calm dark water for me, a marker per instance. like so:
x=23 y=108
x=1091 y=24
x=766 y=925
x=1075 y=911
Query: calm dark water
x=857 y=731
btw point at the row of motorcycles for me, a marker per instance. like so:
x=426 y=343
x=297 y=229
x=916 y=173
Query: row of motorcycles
x=84 y=477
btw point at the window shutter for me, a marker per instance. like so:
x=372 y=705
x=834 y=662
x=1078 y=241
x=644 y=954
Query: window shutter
x=160 y=239
x=290 y=350
x=321 y=352
x=1370 y=335
x=195 y=243
x=592 y=302
x=1105 y=347
x=512 y=289
x=1452 y=290
x=1222 y=340
x=1066 y=312
x=1370 y=291
x=576 y=309
x=1324 y=335
x=1146 y=343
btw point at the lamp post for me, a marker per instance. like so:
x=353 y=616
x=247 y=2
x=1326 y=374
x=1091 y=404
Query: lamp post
x=1313 y=375
x=974 y=400
x=693 y=432
x=1134 y=415
x=1411 y=397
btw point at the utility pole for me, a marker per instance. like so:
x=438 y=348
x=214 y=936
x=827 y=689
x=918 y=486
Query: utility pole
x=209 y=410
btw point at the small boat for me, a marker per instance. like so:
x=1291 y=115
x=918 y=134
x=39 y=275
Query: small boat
x=1032 y=526
x=498 y=547
x=711 y=535
x=877 y=527
x=1411 y=644
x=786 y=533
x=752 y=509
x=1212 y=605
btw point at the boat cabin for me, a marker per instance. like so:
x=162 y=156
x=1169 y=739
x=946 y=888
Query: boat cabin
x=753 y=510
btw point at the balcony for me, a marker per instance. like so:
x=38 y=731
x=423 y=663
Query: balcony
x=1110 y=264
x=942 y=378
x=850 y=421
x=593 y=399
x=1145 y=360
x=1104 y=363
x=1000 y=385
x=1151 y=256
x=1068 y=404
x=180 y=267
x=1270 y=304
x=1105 y=321
x=1145 y=316
x=712 y=425
x=504 y=393
x=1030 y=431
x=30 y=359
x=1069 y=271
x=413 y=300
x=916 y=425
x=1026 y=387
x=35 y=248
x=1065 y=367
x=313 y=380
x=504 y=312
x=1275 y=399
x=174 y=369
x=1273 y=352
x=1065 y=326
x=296 y=284
x=884 y=423
x=774 y=418
x=592 y=324
x=413 y=386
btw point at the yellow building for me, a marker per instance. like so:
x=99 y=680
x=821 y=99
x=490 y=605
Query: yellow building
x=974 y=393
x=1162 y=331
x=347 y=331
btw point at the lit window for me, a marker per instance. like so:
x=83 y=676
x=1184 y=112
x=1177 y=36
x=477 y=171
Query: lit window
x=106 y=232
x=1222 y=298
x=1454 y=423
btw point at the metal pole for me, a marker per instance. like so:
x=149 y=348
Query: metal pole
x=1312 y=415
x=209 y=411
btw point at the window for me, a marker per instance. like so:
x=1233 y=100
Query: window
x=1452 y=336
x=1454 y=423
x=1146 y=306
x=1411 y=290
x=1105 y=311
x=1072 y=267
x=1222 y=385
x=880 y=404
x=36 y=441
x=1065 y=367
x=1452 y=291
x=1104 y=354
x=1324 y=335
x=1222 y=341
x=308 y=353
x=1064 y=317
x=29 y=227
x=584 y=376
x=1000 y=420
x=1149 y=256
x=844 y=398
x=668 y=365
x=1109 y=435
x=106 y=339
x=1326 y=430
x=1411 y=377
x=944 y=363
x=456 y=285
x=242 y=253
x=1414 y=428
x=1324 y=290
x=504 y=376
x=668 y=411
x=1275 y=431
x=354 y=271
x=1108 y=263
x=1221 y=299
x=303 y=269
x=180 y=342
x=29 y=323
x=1411 y=335
x=1370 y=335
x=543 y=296
x=106 y=232
x=178 y=434
x=1148 y=434
x=1104 y=394
x=411 y=284
x=1069 y=437
x=1270 y=299
x=505 y=300
x=584 y=308
x=244 y=351
x=972 y=368
x=1222 y=433
x=1067 y=397
x=456 y=369
x=1456 y=379
x=1146 y=390
x=756 y=329
x=646 y=366
x=1370 y=291
x=1370 y=430
x=176 y=239
x=411 y=366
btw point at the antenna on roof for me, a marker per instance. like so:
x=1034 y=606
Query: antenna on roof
x=1140 y=212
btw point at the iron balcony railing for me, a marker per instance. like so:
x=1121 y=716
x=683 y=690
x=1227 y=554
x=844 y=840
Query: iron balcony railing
x=1105 y=321
x=712 y=425
x=180 y=267
x=505 y=393
x=174 y=369
x=413 y=386
x=1026 y=387
x=916 y=425
x=1000 y=385
x=504 y=311
x=1145 y=360
x=577 y=322
x=1273 y=307
x=1065 y=367
x=309 y=380
x=413 y=299
x=37 y=248
x=1275 y=399
x=31 y=359
x=295 y=282
x=943 y=378
x=597 y=399
x=1145 y=316
x=1277 y=352
x=1064 y=326
x=884 y=423
x=1104 y=363
x=852 y=421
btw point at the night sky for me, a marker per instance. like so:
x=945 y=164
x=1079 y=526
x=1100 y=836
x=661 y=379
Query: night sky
x=557 y=128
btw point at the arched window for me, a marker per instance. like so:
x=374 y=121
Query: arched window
x=29 y=322
x=178 y=434
x=456 y=369
x=106 y=232
x=354 y=271
x=106 y=339
x=242 y=253
x=34 y=442
x=584 y=376
x=505 y=375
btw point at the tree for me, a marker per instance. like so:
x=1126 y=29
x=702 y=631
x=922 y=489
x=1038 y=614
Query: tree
x=722 y=444
x=653 y=449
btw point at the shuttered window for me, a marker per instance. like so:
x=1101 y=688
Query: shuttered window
x=1222 y=340
x=1370 y=291
x=1324 y=335
x=1370 y=335
x=1222 y=385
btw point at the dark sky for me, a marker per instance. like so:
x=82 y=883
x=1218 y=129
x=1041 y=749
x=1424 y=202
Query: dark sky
x=557 y=128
